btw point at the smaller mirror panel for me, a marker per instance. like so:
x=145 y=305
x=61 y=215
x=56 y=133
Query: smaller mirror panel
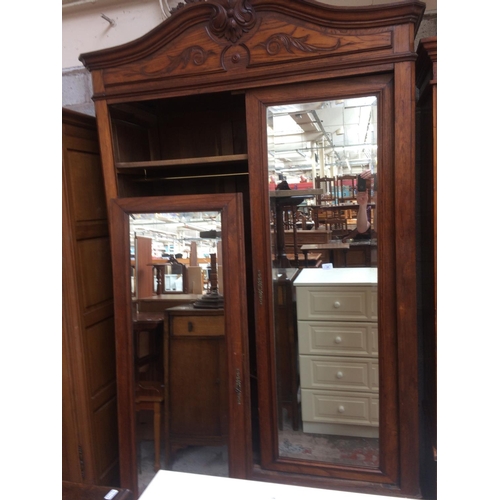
x=177 y=259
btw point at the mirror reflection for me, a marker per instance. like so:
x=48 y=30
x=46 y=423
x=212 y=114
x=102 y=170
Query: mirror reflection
x=322 y=193
x=177 y=290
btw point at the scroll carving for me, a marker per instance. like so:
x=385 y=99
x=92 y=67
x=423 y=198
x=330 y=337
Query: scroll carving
x=278 y=41
x=232 y=19
x=195 y=54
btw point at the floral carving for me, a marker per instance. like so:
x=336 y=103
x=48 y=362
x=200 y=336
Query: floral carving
x=195 y=54
x=276 y=42
x=232 y=19
x=182 y=4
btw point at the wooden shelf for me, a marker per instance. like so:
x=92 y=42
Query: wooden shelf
x=139 y=166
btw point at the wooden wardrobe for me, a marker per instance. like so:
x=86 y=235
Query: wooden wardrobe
x=182 y=113
x=89 y=404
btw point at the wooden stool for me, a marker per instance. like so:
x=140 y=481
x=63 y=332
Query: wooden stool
x=149 y=395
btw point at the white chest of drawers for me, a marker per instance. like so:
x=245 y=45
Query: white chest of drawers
x=338 y=350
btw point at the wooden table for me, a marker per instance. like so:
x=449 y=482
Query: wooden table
x=335 y=210
x=336 y=248
x=158 y=303
x=357 y=253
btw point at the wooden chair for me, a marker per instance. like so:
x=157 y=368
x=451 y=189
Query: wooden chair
x=338 y=226
x=149 y=396
x=327 y=184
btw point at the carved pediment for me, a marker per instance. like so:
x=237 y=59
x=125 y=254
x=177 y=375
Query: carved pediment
x=254 y=38
x=232 y=18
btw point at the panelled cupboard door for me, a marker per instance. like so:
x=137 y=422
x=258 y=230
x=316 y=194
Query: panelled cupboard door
x=90 y=434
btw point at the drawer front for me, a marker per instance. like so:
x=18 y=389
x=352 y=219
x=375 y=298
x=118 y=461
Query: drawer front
x=337 y=373
x=337 y=338
x=339 y=408
x=197 y=326
x=337 y=304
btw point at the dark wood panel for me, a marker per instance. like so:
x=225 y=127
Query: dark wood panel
x=96 y=281
x=90 y=437
x=426 y=137
x=91 y=229
x=105 y=418
x=71 y=469
x=100 y=339
x=198 y=388
x=88 y=204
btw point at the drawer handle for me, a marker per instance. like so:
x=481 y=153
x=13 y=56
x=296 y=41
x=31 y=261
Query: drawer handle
x=336 y=304
x=340 y=375
x=341 y=409
x=338 y=340
x=190 y=326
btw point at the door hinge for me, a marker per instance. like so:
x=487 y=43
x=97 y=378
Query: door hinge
x=238 y=386
x=82 y=463
x=260 y=287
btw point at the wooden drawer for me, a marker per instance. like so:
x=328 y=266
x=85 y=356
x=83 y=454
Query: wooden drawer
x=337 y=338
x=339 y=407
x=337 y=303
x=197 y=326
x=338 y=373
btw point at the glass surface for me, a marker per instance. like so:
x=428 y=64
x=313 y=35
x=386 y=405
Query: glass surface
x=168 y=244
x=164 y=243
x=327 y=370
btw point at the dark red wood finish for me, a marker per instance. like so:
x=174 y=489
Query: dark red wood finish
x=89 y=395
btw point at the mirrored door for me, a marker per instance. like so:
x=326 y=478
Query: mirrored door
x=322 y=160
x=325 y=157
x=183 y=383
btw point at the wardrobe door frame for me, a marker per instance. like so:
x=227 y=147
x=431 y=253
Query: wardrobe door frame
x=235 y=320
x=396 y=285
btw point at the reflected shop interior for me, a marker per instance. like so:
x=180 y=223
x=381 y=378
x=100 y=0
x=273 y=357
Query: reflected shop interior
x=327 y=373
x=326 y=365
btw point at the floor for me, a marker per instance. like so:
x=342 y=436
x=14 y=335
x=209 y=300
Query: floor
x=207 y=460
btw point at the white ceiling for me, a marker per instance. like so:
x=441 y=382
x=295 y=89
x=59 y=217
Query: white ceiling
x=323 y=138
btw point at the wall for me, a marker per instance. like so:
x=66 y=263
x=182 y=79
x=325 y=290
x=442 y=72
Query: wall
x=84 y=29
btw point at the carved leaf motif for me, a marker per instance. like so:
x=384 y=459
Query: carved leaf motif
x=182 y=4
x=276 y=42
x=195 y=54
x=232 y=19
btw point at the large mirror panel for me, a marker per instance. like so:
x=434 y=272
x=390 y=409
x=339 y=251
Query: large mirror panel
x=322 y=160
